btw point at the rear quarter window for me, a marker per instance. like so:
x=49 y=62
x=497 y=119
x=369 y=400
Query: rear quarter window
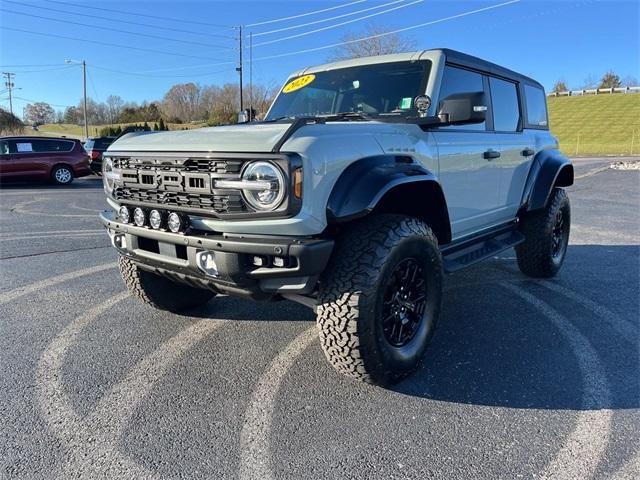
x=536 y=103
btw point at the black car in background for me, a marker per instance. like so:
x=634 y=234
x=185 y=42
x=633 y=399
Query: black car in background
x=95 y=147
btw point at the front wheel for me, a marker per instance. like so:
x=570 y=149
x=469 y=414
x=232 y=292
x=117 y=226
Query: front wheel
x=380 y=298
x=547 y=236
x=160 y=292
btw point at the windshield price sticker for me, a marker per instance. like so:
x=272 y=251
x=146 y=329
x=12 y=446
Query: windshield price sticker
x=298 y=83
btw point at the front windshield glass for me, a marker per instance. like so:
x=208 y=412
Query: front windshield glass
x=384 y=89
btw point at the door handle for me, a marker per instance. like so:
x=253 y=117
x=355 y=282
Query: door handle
x=491 y=154
x=527 y=152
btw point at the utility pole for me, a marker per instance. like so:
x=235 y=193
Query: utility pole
x=250 y=76
x=84 y=91
x=84 y=94
x=239 y=69
x=9 y=84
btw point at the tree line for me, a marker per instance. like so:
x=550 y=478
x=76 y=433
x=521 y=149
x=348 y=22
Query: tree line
x=182 y=103
x=609 y=80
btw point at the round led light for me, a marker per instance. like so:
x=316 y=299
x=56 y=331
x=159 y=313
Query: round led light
x=155 y=219
x=123 y=213
x=174 y=222
x=265 y=173
x=138 y=217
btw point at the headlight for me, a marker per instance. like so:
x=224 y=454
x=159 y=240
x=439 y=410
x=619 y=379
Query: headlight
x=109 y=174
x=263 y=185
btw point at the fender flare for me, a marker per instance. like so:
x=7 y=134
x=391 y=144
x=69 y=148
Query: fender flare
x=549 y=169
x=363 y=185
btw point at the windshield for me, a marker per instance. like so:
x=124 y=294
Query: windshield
x=384 y=89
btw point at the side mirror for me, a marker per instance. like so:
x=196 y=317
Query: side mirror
x=463 y=108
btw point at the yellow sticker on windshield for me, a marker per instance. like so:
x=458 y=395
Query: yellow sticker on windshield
x=298 y=83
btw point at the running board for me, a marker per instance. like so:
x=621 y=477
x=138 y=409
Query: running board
x=480 y=250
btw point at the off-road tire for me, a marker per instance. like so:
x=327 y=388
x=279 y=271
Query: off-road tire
x=535 y=255
x=160 y=292
x=352 y=290
x=62 y=175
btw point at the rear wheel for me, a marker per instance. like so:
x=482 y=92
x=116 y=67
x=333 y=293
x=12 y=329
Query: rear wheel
x=62 y=175
x=380 y=298
x=160 y=292
x=547 y=236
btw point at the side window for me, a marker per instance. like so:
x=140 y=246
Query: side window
x=4 y=148
x=459 y=80
x=52 y=146
x=506 y=108
x=536 y=107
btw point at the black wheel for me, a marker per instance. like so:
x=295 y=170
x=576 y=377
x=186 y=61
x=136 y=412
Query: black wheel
x=547 y=236
x=380 y=298
x=160 y=292
x=62 y=175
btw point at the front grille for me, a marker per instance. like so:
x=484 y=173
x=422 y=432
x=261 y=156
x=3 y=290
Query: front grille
x=144 y=170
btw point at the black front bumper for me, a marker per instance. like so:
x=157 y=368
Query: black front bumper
x=173 y=255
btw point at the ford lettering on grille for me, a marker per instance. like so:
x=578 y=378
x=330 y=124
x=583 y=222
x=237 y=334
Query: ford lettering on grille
x=171 y=181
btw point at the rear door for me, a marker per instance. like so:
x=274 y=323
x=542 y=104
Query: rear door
x=469 y=171
x=516 y=146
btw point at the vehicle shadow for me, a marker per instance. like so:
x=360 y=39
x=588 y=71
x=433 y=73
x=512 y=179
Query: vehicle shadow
x=239 y=309
x=90 y=182
x=494 y=348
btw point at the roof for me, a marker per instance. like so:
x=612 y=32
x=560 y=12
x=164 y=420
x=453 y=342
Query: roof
x=452 y=56
x=37 y=137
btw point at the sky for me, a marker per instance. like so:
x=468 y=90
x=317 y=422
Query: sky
x=139 y=49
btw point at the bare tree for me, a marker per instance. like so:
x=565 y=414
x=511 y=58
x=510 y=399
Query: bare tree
x=590 y=82
x=263 y=96
x=183 y=102
x=221 y=103
x=560 y=86
x=374 y=42
x=114 y=107
x=39 y=113
x=629 y=81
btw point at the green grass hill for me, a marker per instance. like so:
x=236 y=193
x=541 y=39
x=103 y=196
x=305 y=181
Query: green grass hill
x=603 y=124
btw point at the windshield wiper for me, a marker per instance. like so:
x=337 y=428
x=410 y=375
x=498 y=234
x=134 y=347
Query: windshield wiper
x=347 y=116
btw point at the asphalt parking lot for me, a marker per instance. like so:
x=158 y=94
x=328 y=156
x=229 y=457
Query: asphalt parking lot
x=524 y=378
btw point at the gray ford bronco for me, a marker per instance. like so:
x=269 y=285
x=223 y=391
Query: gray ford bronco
x=366 y=182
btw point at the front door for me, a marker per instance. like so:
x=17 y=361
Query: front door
x=469 y=162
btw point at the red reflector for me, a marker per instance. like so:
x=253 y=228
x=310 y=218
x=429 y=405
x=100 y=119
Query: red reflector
x=94 y=154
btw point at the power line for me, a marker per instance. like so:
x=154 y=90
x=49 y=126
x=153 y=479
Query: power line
x=157 y=17
x=432 y=22
x=327 y=19
x=119 y=20
x=38 y=101
x=128 y=47
x=129 y=32
x=150 y=75
x=46 y=69
x=328 y=27
x=283 y=19
x=32 y=65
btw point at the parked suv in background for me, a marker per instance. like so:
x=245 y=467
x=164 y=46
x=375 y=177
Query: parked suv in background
x=42 y=158
x=95 y=147
x=368 y=180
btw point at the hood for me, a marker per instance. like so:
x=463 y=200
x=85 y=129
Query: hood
x=256 y=137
